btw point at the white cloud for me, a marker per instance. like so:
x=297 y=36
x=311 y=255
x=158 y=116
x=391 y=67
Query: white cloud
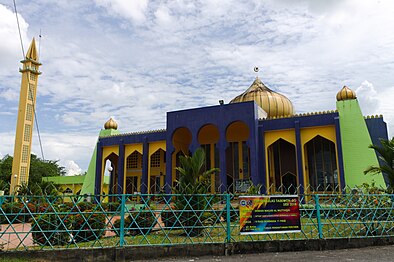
x=10 y=95
x=368 y=98
x=75 y=149
x=133 y=10
x=10 y=48
x=163 y=16
x=72 y=168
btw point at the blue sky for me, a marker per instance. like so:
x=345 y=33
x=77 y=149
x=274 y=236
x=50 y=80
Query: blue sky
x=136 y=60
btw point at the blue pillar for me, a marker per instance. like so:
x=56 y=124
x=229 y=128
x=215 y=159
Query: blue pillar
x=340 y=155
x=145 y=158
x=99 y=160
x=222 y=161
x=194 y=144
x=300 y=169
x=120 y=185
x=253 y=147
x=168 y=184
x=261 y=161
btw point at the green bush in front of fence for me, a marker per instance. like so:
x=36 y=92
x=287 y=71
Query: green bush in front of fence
x=111 y=206
x=17 y=212
x=65 y=223
x=169 y=219
x=51 y=229
x=137 y=223
x=87 y=226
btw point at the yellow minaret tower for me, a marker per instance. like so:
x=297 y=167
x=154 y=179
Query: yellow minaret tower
x=24 y=125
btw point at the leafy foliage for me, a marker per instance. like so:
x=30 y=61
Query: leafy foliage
x=194 y=181
x=51 y=229
x=386 y=155
x=193 y=178
x=38 y=169
x=139 y=222
x=65 y=223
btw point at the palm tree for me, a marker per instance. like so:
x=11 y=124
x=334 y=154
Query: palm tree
x=192 y=186
x=193 y=178
x=386 y=155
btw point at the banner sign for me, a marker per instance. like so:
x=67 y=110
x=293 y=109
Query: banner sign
x=269 y=214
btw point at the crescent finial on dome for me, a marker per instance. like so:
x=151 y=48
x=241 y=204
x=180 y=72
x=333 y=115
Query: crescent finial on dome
x=111 y=124
x=346 y=94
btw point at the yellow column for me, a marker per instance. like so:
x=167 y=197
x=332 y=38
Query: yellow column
x=24 y=126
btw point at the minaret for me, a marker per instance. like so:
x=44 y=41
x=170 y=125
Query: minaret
x=25 y=122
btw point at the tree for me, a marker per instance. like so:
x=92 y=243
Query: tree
x=194 y=181
x=386 y=155
x=38 y=169
x=5 y=173
x=193 y=177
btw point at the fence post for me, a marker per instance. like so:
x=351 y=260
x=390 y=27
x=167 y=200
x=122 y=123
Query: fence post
x=317 y=207
x=228 y=218
x=121 y=227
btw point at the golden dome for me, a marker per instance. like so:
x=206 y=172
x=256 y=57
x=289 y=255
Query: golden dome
x=346 y=94
x=274 y=104
x=111 y=124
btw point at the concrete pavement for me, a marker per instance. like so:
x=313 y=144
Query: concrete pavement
x=367 y=254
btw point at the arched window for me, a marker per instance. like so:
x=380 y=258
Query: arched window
x=134 y=160
x=322 y=164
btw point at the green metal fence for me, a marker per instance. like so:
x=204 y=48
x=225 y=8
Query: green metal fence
x=70 y=222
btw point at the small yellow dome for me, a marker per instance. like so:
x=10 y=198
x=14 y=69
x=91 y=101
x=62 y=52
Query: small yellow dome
x=274 y=104
x=346 y=94
x=111 y=124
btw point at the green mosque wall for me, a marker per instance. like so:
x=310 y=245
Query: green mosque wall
x=355 y=141
x=88 y=183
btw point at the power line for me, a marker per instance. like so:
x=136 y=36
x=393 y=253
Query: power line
x=19 y=29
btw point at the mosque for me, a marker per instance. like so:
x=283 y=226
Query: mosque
x=255 y=139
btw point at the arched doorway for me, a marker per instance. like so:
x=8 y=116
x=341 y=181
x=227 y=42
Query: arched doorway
x=133 y=173
x=157 y=171
x=208 y=137
x=112 y=168
x=322 y=165
x=181 y=140
x=237 y=154
x=282 y=167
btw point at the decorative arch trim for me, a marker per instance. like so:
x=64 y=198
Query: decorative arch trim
x=129 y=149
x=327 y=132
x=272 y=136
x=210 y=130
x=240 y=129
x=107 y=151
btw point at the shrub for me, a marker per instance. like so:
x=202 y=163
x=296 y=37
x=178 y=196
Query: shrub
x=137 y=223
x=83 y=206
x=45 y=208
x=51 y=229
x=234 y=214
x=169 y=219
x=15 y=212
x=87 y=226
x=67 y=223
x=111 y=206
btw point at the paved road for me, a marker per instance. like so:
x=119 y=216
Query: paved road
x=381 y=254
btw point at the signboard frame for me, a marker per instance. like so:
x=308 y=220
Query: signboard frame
x=269 y=214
